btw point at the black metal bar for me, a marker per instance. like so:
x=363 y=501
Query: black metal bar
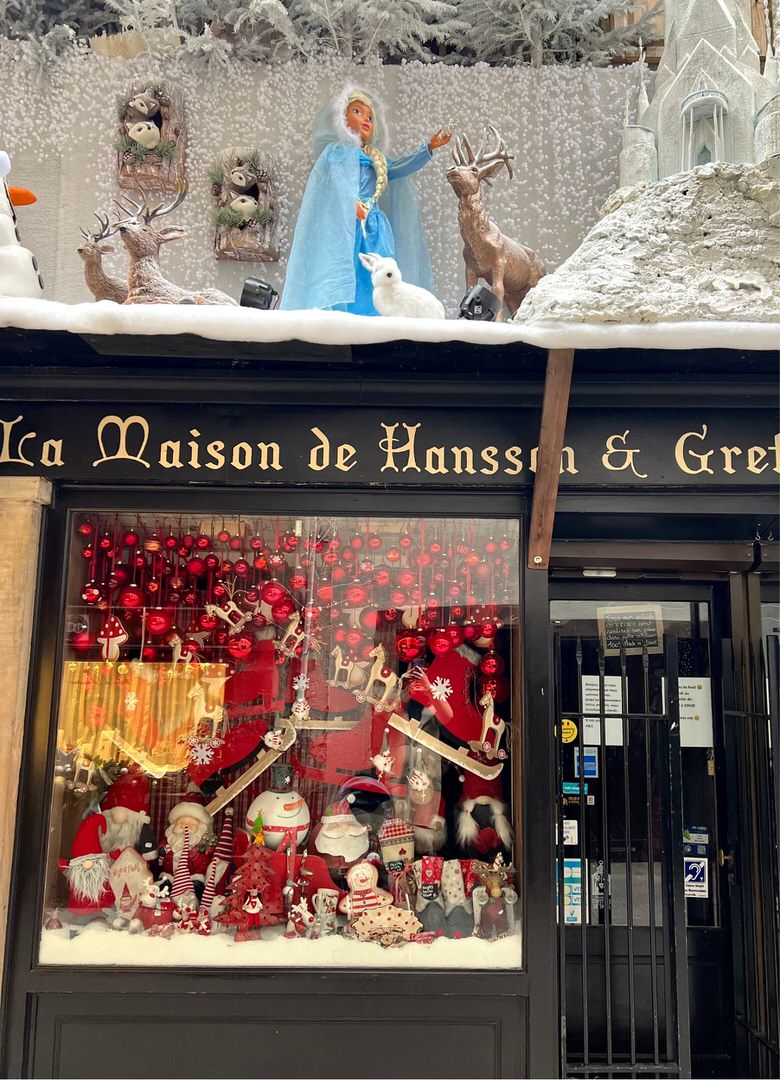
x=650 y=855
x=606 y=898
x=561 y=854
x=629 y=863
x=679 y=930
x=581 y=847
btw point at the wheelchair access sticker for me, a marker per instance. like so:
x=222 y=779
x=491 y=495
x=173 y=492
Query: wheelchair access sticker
x=696 y=878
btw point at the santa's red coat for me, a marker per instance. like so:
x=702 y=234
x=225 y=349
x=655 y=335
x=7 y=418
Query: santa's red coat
x=198 y=862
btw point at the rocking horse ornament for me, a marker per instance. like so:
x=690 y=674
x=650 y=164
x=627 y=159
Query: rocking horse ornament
x=381 y=677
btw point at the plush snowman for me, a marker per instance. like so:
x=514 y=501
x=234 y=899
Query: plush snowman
x=18 y=268
x=279 y=814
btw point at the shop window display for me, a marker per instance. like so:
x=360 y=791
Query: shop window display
x=286 y=741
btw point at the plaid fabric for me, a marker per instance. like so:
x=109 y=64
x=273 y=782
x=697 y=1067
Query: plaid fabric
x=395 y=829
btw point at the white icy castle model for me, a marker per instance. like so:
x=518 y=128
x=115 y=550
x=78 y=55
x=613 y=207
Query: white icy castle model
x=18 y=269
x=711 y=100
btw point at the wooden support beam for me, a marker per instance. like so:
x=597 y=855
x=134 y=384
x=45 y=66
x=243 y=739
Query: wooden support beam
x=555 y=406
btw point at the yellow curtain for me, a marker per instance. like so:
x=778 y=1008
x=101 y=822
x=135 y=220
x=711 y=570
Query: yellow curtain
x=143 y=711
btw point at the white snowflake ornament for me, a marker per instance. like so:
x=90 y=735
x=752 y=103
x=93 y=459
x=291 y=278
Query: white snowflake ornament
x=441 y=688
x=301 y=683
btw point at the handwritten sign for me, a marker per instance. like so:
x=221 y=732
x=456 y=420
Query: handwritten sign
x=631 y=628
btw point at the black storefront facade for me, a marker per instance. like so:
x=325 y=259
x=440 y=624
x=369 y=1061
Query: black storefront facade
x=643 y=696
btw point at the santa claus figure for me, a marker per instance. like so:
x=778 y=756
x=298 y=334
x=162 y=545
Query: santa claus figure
x=482 y=824
x=340 y=838
x=189 y=824
x=87 y=871
x=126 y=810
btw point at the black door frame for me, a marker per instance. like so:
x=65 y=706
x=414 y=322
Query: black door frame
x=524 y=999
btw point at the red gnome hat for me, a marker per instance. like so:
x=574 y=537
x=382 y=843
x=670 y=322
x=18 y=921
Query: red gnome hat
x=132 y=792
x=86 y=843
x=223 y=853
x=479 y=791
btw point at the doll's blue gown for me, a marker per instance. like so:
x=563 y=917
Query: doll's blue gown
x=323 y=270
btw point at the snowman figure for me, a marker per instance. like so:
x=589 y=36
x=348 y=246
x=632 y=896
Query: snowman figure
x=283 y=815
x=18 y=268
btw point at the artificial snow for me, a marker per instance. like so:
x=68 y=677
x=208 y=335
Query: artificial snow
x=230 y=324
x=97 y=945
x=703 y=244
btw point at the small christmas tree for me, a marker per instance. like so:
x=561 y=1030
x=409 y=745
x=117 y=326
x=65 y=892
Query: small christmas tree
x=252 y=883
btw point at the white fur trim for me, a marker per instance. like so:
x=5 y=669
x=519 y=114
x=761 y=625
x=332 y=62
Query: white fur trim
x=346 y=134
x=189 y=809
x=503 y=828
x=466 y=827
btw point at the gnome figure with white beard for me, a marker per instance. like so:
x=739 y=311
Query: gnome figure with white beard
x=87 y=872
x=340 y=838
x=126 y=810
x=191 y=820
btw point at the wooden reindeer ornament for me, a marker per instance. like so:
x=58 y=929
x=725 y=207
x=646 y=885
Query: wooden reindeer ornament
x=100 y=284
x=509 y=268
x=146 y=282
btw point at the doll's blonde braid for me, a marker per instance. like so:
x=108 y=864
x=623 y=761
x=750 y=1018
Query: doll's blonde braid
x=378 y=158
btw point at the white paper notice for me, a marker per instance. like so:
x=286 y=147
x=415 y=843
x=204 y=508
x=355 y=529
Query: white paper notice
x=695 y=712
x=613 y=703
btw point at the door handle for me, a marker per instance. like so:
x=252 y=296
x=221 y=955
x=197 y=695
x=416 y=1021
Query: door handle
x=723 y=858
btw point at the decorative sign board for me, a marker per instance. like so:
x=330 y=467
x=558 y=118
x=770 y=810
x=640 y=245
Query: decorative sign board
x=697 y=885
x=631 y=628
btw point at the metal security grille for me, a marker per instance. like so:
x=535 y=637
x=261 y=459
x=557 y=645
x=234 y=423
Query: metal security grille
x=621 y=889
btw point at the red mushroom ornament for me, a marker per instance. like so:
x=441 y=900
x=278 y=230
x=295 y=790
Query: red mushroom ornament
x=111 y=637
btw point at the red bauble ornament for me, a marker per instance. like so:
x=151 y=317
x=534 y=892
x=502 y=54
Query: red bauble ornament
x=356 y=594
x=410 y=645
x=482 y=572
x=122 y=573
x=259 y=620
x=276 y=561
x=174 y=597
x=487 y=629
x=330 y=558
x=364 y=652
x=297 y=579
x=241 y=568
x=223 y=536
x=130 y=538
x=256 y=543
x=188 y=541
x=282 y=609
x=356 y=543
x=432 y=603
x=405 y=578
x=88 y=552
x=435 y=546
x=220 y=637
x=338 y=574
x=405 y=541
x=382 y=577
x=153 y=586
x=469 y=630
x=81 y=641
x=455 y=634
x=272 y=592
x=206 y=621
x=226 y=567
x=84 y=529
x=398 y=598
x=158 y=621
x=260 y=562
x=234 y=543
x=190 y=647
x=311 y=613
x=369 y=618
x=491 y=663
x=340 y=634
x=92 y=593
x=149 y=654
x=131 y=597
x=491 y=547
x=250 y=597
x=439 y=641
x=393 y=555
x=354 y=637
x=325 y=593
x=190 y=598
x=203 y=542
x=428 y=619
x=196 y=567
x=212 y=561
x=374 y=542
x=219 y=590
x=104 y=542
x=472 y=559
x=422 y=558
x=334 y=544
x=495 y=685
x=457 y=611
x=289 y=542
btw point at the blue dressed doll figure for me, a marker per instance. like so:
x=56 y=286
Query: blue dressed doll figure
x=356 y=200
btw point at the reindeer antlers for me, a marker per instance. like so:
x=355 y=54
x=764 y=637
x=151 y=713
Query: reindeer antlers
x=141 y=211
x=486 y=164
x=107 y=228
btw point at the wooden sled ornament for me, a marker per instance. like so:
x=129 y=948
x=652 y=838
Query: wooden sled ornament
x=282 y=740
x=459 y=757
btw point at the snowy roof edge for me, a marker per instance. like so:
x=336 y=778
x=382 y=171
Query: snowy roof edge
x=233 y=324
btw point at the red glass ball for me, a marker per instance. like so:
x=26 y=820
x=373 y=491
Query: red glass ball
x=297 y=580
x=188 y=540
x=390 y=614
x=364 y=652
x=289 y=541
x=406 y=578
x=330 y=558
x=226 y=567
x=374 y=542
x=487 y=629
x=422 y=558
x=410 y=645
x=439 y=641
x=158 y=621
x=405 y=541
x=212 y=561
x=435 y=546
x=259 y=620
x=472 y=559
x=356 y=594
x=348 y=555
x=356 y=543
x=505 y=543
x=311 y=613
x=455 y=634
x=84 y=529
x=203 y=542
x=174 y=597
x=153 y=586
x=432 y=603
x=130 y=538
x=454 y=589
x=219 y=590
x=334 y=544
x=260 y=562
x=241 y=567
x=398 y=597
x=139 y=562
x=340 y=635
x=189 y=647
x=272 y=591
x=220 y=637
x=282 y=609
x=325 y=593
x=382 y=577
x=251 y=597
x=393 y=555
x=256 y=543
x=81 y=641
x=354 y=637
x=196 y=567
x=206 y=621
x=428 y=619
x=369 y=618
x=339 y=574
x=276 y=561
x=87 y=552
x=170 y=543
x=491 y=547
x=457 y=611
x=234 y=543
x=482 y=572
x=495 y=685
x=491 y=663
x=469 y=630
x=104 y=542
x=223 y=536
x=190 y=598
x=131 y=597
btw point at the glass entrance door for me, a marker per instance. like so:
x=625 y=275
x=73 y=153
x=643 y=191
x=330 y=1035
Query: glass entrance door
x=643 y=901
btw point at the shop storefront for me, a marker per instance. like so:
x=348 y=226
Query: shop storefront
x=321 y=775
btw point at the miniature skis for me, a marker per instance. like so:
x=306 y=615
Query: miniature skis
x=459 y=756
x=276 y=744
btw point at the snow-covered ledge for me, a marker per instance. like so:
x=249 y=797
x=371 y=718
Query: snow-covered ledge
x=338 y=328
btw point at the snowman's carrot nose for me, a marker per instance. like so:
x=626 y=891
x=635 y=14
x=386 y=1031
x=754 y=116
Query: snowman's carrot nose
x=293 y=805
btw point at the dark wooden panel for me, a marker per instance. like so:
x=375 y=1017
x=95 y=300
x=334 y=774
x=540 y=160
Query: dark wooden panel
x=85 y=1035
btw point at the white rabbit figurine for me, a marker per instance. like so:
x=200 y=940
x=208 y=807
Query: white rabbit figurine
x=394 y=296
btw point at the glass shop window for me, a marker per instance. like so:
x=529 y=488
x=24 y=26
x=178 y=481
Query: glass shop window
x=287 y=741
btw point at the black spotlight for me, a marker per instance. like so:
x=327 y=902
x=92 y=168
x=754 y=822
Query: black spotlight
x=258 y=294
x=479 y=303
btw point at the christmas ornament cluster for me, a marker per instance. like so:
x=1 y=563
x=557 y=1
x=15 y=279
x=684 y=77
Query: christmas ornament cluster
x=360 y=666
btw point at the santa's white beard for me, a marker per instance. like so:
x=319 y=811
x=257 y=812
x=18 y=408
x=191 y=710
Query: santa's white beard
x=88 y=883
x=119 y=836
x=176 y=839
x=349 y=847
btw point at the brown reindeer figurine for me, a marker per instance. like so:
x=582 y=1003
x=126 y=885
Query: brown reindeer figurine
x=100 y=284
x=146 y=282
x=509 y=268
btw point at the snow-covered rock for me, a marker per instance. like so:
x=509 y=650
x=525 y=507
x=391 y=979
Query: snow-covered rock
x=698 y=245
